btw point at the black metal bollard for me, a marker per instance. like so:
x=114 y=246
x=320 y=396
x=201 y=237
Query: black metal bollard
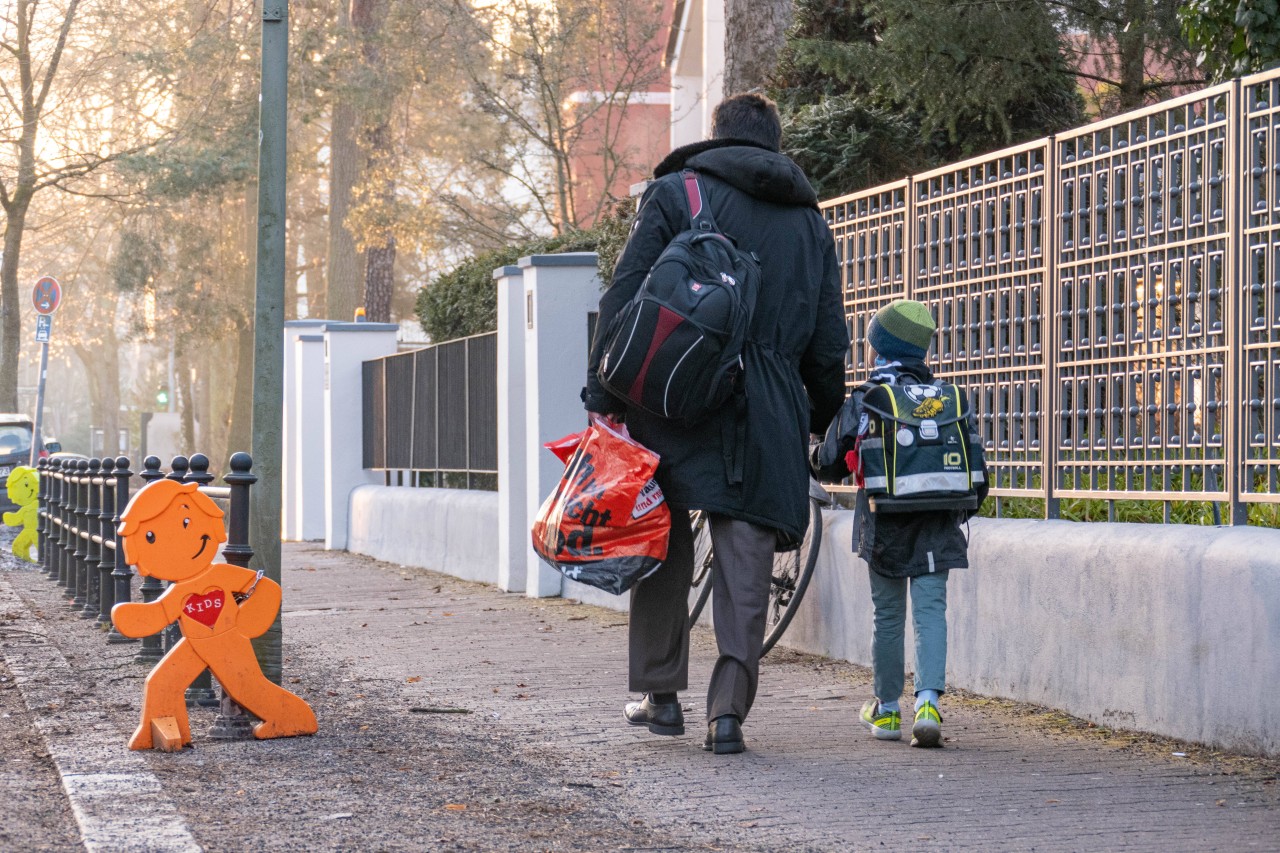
x=237 y=551
x=232 y=723
x=79 y=589
x=92 y=539
x=178 y=469
x=66 y=509
x=201 y=691
x=42 y=493
x=106 y=546
x=49 y=486
x=120 y=575
x=178 y=472
x=151 y=650
x=64 y=528
x=71 y=496
x=58 y=540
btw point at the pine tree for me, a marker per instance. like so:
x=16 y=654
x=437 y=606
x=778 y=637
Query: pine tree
x=875 y=89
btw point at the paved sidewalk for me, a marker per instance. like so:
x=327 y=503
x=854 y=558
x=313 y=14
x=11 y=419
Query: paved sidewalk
x=542 y=760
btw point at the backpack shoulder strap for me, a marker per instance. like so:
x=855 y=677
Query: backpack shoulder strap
x=700 y=218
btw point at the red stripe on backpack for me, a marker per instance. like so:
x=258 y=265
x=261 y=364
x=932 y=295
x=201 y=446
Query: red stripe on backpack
x=667 y=322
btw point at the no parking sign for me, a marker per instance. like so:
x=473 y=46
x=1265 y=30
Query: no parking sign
x=47 y=295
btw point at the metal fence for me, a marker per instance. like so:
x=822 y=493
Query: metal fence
x=1111 y=297
x=433 y=412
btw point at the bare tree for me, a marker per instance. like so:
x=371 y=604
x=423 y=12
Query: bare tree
x=379 y=243
x=345 y=263
x=528 y=62
x=55 y=77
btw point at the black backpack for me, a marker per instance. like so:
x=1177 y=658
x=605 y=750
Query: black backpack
x=916 y=448
x=675 y=350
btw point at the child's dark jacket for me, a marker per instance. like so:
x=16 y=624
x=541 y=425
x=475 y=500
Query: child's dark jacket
x=912 y=543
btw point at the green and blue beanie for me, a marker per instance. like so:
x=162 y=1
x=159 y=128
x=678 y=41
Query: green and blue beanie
x=901 y=329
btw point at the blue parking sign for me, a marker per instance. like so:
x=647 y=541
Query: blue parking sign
x=44 y=327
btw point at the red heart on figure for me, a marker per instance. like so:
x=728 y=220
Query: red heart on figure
x=206 y=607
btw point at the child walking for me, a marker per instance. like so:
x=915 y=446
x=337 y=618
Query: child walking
x=910 y=554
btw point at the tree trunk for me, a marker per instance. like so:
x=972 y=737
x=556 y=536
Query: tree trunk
x=1131 y=41
x=379 y=276
x=345 y=264
x=10 y=310
x=108 y=358
x=186 y=403
x=379 y=282
x=754 y=32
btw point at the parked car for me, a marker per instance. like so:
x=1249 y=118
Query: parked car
x=15 y=449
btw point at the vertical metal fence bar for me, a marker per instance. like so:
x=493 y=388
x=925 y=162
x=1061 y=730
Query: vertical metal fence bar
x=466 y=408
x=1238 y=392
x=413 y=414
x=436 y=413
x=1051 y=335
x=386 y=410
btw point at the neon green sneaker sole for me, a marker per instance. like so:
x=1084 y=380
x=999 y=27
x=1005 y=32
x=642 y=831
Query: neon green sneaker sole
x=884 y=725
x=927 y=730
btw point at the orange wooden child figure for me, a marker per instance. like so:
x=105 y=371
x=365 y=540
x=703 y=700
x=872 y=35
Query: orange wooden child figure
x=171 y=531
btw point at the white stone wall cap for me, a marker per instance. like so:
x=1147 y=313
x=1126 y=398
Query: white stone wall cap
x=565 y=259
x=335 y=326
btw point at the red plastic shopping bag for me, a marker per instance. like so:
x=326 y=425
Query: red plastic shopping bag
x=606 y=524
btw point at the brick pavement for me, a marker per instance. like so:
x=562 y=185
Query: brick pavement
x=549 y=676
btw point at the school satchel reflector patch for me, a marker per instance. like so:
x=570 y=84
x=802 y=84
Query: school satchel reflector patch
x=606 y=524
x=916 y=450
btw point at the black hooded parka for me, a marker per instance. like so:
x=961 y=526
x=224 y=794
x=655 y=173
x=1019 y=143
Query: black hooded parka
x=748 y=460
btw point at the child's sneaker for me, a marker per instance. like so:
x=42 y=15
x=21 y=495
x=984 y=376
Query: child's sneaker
x=927 y=730
x=885 y=725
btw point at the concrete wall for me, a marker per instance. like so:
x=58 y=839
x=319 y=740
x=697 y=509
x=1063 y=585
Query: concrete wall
x=1167 y=629
x=444 y=530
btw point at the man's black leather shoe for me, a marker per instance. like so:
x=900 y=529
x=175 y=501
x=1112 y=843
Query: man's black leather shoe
x=662 y=718
x=724 y=736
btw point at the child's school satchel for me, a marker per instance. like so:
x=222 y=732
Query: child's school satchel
x=916 y=450
x=675 y=350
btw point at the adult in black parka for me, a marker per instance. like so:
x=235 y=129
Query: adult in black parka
x=746 y=464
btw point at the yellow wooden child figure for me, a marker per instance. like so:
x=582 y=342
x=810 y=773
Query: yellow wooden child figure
x=171 y=531
x=23 y=486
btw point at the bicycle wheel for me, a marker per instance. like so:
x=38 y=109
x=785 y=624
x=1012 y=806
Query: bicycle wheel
x=701 y=562
x=792 y=571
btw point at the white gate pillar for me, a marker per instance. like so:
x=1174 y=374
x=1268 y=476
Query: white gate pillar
x=513 y=517
x=559 y=292
x=346 y=347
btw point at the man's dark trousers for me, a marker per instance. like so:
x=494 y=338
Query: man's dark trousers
x=659 y=626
